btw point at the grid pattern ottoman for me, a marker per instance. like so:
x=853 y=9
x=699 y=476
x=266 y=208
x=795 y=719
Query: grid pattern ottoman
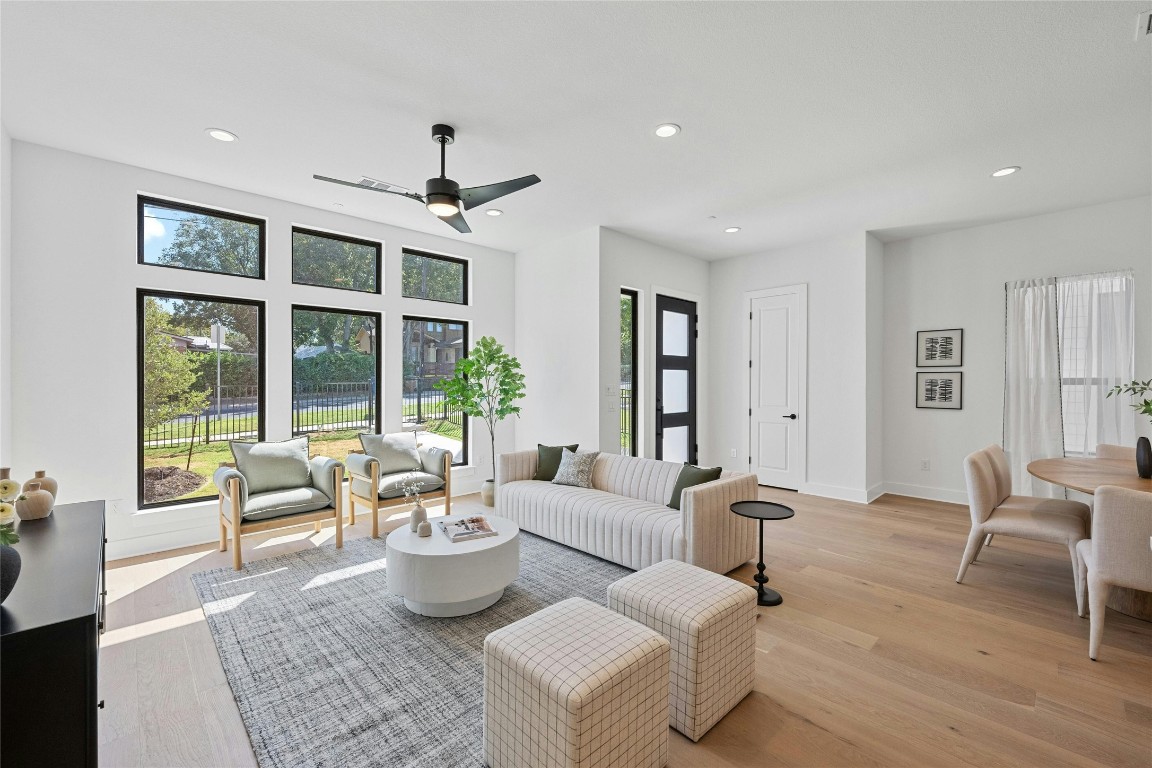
x=575 y=686
x=711 y=623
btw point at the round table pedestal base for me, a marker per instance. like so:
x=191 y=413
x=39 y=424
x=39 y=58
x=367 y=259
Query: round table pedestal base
x=769 y=597
x=462 y=608
x=1131 y=602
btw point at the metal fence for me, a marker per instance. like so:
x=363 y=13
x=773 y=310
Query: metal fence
x=626 y=421
x=335 y=405
x=234 y=415
x=424 y=402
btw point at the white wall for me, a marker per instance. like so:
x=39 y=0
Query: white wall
x=73 y=367
x=5 y=296
x=956 y=280
x=626 y=262
x=837 y=417
x=557 y=341
x=874 y=397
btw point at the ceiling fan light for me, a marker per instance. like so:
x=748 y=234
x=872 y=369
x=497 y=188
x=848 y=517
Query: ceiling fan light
x=443 y=205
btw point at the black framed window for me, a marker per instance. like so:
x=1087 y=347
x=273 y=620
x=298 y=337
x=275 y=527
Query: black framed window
x=335 y=377
x=200 y=384
x=629 y=399
x=201 y=239
x=431 y=348
x=335 y=261
x=433 y=277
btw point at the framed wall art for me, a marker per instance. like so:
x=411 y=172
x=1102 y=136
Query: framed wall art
x=940 y=389
x=943 y=349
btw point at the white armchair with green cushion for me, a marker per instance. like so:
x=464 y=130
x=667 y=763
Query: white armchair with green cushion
x=386 y=462
x=276 y=485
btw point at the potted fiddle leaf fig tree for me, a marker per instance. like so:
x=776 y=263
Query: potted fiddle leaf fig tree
x=486 y=385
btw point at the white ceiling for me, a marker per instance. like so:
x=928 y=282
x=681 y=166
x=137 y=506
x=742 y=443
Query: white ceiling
x=801 y=119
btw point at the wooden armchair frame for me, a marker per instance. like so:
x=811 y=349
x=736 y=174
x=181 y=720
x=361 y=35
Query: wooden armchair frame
x=375 y=503
x=238 y=526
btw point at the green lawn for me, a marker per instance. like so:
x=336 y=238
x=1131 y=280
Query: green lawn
x=206 y=458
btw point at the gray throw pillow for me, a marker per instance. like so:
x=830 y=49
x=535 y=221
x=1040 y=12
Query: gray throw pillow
x=273 y=466
x=396 y=453
x=576 y=468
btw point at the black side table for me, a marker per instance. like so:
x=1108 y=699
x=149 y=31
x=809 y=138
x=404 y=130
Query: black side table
x=763 y=510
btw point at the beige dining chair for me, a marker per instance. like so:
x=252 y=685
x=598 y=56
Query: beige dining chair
x=1122 y=452
x=995 y=510
x=1117 y=554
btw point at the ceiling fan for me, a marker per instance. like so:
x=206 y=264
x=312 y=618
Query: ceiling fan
x=443 y=196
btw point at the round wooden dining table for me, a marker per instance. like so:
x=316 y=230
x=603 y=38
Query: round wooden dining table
x=1086 y=475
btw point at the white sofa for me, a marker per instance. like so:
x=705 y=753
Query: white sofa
x=624 y=517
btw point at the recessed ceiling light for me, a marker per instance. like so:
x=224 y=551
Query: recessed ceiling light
x=1006 y=171
x=220 y=134
x=667 y=129
x=494 y=212
x=730 y=230
x=337 y=205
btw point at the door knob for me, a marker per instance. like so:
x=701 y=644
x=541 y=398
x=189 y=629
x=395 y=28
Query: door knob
x=791 y=416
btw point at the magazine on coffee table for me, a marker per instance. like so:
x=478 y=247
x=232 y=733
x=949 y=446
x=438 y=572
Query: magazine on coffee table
x=475 y=527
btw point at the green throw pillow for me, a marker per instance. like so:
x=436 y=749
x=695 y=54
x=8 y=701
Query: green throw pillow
x=548 y=460
x=692 y=475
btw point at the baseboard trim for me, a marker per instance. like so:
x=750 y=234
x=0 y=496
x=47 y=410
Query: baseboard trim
x=836 y=492
x=927 y=492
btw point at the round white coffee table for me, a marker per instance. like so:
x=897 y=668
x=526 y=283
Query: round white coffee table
x=437 y=577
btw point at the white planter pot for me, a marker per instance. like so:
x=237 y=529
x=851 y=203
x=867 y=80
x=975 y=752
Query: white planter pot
x=488 y=493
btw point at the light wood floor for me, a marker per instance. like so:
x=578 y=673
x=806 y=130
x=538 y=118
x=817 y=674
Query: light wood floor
x=876 y=658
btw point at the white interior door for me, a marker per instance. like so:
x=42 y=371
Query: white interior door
x=777 y=382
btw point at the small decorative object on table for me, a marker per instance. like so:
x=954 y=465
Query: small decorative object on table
x=9 y=557
x=411 y=487
x=425 y=530
x=46 y=483
x=475 y=527
x=1144 y=406
x=34 y=503
x=9 y=561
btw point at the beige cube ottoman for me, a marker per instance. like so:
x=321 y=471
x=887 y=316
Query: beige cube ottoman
x=711 y=622
x=575 y=685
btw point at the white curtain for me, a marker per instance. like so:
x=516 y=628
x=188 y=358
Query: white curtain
x=1032 y=423
x=1096 y=318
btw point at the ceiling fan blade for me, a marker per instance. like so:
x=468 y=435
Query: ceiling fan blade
x=456 y=221
x=409 y=195
x=474 y=196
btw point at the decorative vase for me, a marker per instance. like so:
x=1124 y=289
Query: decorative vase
x=1144 y=457
x=36 y=504
x=424 y=530
x=419 y=515
x=9 y=570
x=46 y=483
x=488 y=493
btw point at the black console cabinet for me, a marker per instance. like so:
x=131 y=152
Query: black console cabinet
x=50 y=641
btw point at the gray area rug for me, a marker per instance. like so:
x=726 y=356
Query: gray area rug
x=329 y=669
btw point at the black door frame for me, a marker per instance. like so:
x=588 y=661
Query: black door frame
x=634 y=405
x=680 y=363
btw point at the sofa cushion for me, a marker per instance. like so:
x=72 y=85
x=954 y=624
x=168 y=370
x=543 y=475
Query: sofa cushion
x=647 y=479
x=264 y=506
x=689 y=476
x=576 y=469
x=272 y=466
x=628 y=531
x=548 y=459
x=396 y=453
x=390 y=484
